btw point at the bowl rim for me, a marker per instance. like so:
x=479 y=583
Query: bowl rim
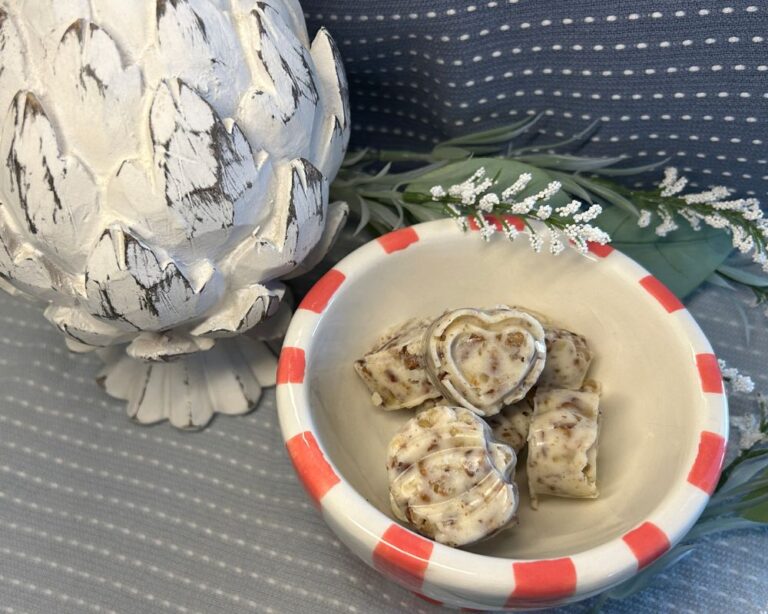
x=439 y=571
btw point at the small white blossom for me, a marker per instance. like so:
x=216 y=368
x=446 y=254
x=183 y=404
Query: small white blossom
x=454 y=209
x=556 y=245
x=537 y=242
x=675 y=188
x=487 y=231
x=670 y=176
x=522 y=207
x=714 y=194
x=468 y=196
x=749 y=430
x=511 y=232
x=544 y=212
x=588 y=215
x=739 y=382
x=569 y=209
x=517 y=187
x=667 y=225
x=488 y=202
x=437 y=192
x=645 y=219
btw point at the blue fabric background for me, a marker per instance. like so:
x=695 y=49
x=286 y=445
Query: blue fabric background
x=100 y=515
x=686 y=80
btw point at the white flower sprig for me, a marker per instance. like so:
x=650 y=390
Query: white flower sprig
x=476 y=199
x=737 y=381
x=742 y=218
x=753 y=428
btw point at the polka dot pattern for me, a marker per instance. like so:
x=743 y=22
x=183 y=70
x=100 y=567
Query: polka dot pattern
x=686 y=82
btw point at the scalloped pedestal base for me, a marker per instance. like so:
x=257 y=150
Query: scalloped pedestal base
x=227 y=379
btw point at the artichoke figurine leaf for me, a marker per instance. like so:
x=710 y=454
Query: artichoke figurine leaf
x=130 y=285
x=23 y=267
x=13 y=69
x=329 y=141
x=242 y=310
x=198 y=43
x=80 y=326
x=209 y=173
x=88 y=73
x=53 y=195
x=293 y=231
x=285 y=97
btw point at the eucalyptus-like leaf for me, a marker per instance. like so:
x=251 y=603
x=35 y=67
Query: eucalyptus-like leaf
x=354 y=158
x=721 y=282
x=572 y=187
x=682 y=260
x=607 y=194
x=452 y=153
x=494 y=136
x=739 y=473
x=743 y=276
x=576 y=138
x=756 y=506
x=423 y=214
x=577 y=164
x=364 y=212
x=720 y=525
x=630 y=170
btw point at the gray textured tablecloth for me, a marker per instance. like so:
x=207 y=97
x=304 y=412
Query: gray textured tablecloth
x=98 y=514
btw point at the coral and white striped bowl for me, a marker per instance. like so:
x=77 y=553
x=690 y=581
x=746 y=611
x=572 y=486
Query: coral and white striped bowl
x=663 y=433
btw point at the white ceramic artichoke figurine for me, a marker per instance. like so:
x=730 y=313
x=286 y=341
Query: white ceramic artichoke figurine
x=164 y=163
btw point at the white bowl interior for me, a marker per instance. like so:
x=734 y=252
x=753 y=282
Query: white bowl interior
x=651 y=403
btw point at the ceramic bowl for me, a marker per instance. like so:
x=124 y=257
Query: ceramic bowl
x=662 y=438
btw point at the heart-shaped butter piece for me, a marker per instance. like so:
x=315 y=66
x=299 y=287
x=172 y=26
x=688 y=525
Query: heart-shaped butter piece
x=483 y=360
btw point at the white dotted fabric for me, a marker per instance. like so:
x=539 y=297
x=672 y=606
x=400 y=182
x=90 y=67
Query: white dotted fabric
x=686 y=80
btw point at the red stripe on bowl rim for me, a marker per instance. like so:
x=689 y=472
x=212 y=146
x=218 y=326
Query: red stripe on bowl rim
x=315 y=472
x=661 y=293
x=403 y=556
x=320 y=294
x=709 y=462
x=291 y=366
x=600 y=250
x=647 y=542
x=398 y=239
x=543 y=580
x=709 y=373
x=494 y=221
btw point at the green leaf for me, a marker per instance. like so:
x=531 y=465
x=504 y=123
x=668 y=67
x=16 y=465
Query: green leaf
x=759 y=511
x=563 y=162
x=452 y=153
x=495 y=136
x=505 y=171
x=608 y=195
x=743 y=276
x=682 y=260
x=631 y=170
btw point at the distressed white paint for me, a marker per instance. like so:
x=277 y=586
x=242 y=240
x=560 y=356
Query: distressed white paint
x=167 y=164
